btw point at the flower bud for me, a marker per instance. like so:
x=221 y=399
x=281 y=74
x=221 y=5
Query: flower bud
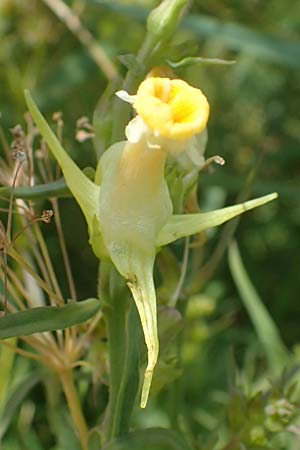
x=163 y=20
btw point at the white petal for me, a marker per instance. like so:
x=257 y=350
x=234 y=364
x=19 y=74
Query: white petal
x=135 y=130
x=123 y=95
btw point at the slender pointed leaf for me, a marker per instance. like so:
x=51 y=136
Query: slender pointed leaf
x=124 y=334
x=264 y=325
x=84 y=190
x=56 y=188
x=47 y=318
x=189 y=224
x=193 y=60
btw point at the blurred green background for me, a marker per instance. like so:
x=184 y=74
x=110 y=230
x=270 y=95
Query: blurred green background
x=254 y=111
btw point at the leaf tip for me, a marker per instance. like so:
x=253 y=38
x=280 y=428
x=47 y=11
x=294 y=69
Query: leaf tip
x=27 y=95
x=270 y=197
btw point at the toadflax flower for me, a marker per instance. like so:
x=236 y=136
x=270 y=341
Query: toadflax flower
x=128 y=209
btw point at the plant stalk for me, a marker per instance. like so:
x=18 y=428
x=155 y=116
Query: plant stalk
x=123 y=332
x=67 y=380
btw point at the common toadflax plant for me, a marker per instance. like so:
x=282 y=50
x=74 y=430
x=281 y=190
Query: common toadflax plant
x=128 y=207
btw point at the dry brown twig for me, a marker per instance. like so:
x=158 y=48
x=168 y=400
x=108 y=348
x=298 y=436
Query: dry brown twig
x=73 y=23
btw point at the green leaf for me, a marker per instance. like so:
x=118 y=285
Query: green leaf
x=124 y=333
x=47 y=318
x=264 y=325
x=193 y=60
x=149 y=439
x=84 y=190
x=189 y=224
x=56 y=188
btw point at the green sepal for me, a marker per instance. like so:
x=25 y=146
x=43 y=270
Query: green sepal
x=183 y=225
x=47 y=318
x=84 y=190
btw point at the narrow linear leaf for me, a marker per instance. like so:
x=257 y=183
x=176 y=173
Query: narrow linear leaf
x=124 y=334
x=193 y=60
x=56 y=188
x=189 y=224
x=47 y=318
x=84 y=190
x=264 y=325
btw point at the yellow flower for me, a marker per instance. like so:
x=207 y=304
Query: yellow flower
x=172 y=108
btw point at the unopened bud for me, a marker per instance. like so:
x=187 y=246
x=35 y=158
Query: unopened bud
x=163 y=20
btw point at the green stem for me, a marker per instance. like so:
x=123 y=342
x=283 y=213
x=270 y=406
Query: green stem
x=74 y=405
x=123 y=332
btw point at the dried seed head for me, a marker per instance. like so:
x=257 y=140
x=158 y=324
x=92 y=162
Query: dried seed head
x=46 y=215
x=18 y=153
x=57 y=117
x=18 y=145
x=83 y=122
x=17 y=132
x=84 y=129
x=82 y=135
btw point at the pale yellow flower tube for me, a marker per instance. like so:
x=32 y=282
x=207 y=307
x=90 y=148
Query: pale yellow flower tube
x=134 y=205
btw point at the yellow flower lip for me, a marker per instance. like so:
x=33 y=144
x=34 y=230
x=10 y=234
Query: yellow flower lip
x=172 y=108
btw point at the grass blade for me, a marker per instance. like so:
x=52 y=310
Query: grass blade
x=263 y=323
x=47 y=318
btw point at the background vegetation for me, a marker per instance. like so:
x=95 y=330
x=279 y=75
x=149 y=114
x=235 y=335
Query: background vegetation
x=255 y=126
